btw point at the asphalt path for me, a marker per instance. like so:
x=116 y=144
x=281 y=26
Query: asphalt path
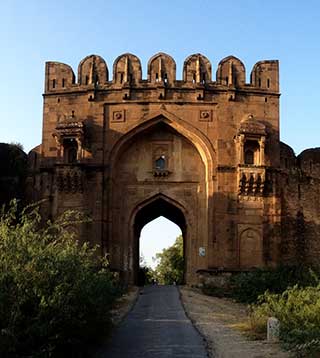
x=156 y=327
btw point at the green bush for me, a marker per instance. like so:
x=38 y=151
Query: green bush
x=289 y=293
x=55 y=294
x=210 y=289
x=248 y=286
x=170 y=269
x=298 y=310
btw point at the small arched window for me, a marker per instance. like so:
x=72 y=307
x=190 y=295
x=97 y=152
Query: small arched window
x=72 y=155
x=251 y=152
x=160 y=163
x=249 y=157
x=70 y=151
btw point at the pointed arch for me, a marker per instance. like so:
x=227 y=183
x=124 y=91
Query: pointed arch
x=180 y=217
x=191 y=133
x=148 y=210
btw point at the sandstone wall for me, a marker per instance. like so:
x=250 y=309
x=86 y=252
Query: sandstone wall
x=202 y=149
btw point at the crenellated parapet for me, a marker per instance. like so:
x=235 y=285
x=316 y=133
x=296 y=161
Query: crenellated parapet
x=92 y=70
x=127 y=70
x=58 y=76
x=161 y=72
x=265 y=75
x=197 y=69
x=231 y=72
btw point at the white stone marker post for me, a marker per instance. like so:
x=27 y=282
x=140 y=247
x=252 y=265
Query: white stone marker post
x=273 y=329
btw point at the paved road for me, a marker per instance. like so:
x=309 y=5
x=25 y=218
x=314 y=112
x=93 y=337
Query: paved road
x=157 y=327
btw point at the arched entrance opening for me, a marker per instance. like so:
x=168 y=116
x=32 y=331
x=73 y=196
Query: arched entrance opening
x=152 y=210
x=158 y=235
x=161 y=167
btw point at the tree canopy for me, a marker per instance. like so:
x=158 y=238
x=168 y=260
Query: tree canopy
x=55 y=293
x=170 y=269
x=13 y=171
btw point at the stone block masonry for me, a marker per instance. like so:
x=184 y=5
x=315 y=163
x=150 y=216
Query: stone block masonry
x=204 y=153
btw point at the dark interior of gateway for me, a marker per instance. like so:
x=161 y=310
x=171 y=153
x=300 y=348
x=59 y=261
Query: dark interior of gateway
x=151 y=211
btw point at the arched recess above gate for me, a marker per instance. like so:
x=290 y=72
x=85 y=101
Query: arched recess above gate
x=187 y=130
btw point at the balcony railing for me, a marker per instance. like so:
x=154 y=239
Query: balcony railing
x=251 y=180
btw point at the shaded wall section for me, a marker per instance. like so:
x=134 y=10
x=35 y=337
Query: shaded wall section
x=300 y=193
x=13 y=172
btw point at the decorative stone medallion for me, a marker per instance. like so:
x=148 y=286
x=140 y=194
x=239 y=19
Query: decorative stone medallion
x=118 y=116
x=205 y=115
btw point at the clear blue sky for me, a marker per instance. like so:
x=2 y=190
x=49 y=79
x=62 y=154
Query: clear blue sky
x=32 y=32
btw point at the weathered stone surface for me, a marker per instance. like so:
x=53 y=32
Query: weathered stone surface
x=206 y=154
x=273 y=329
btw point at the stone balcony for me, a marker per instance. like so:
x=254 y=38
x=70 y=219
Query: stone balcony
x=69 y=178
x=251 y=179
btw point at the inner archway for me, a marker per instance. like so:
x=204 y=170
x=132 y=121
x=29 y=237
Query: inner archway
x=160 y=161
x=160 y=207
x=158 y=235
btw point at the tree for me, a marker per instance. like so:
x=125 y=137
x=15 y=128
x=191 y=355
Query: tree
x=170 y=269
x=145 y=274
x=13 y=172
x=55 y=293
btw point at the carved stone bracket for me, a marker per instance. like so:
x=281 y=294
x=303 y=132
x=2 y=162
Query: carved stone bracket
x=160 y=173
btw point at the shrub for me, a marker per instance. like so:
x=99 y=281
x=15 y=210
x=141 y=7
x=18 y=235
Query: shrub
x=248 y=286
x=298 y=310
x=55 y=294
x=210 y=289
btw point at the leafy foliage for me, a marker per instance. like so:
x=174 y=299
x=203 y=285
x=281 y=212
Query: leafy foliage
x=145 y=274
x=170 y=268
x=55 y=294
x=298 y=310
x=248 y=286
x=289 y=293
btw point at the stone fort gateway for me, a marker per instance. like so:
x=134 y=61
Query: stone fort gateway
x=203 y=153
